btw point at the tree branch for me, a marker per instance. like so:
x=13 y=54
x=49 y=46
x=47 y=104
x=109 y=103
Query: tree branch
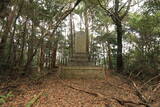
x=66 y=13
x=126 y=12
x=116 y=6
x=122 y=6
x=112 y=14
x=139 y=93
x=107 y=11
x=151 y=80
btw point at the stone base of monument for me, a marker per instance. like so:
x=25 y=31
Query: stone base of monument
x=80 y=59
x=81 y=72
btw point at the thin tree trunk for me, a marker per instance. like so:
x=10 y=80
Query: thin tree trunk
x=31 y=53
x=27 y=65
x=23 y=44
x=104 y=57
x=71 y=35
x=41 y=57
x=54 y=54
x=74 y=32
x=109 y=57
x=86 y=30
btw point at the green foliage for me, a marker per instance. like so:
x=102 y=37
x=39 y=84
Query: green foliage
x=146 y=24
x=152 y=6
x=4 y=98
x=144 y=56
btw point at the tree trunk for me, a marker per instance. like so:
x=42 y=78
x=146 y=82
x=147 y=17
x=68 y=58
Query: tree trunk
x=117 y=18
x=71 y=35
x=104 y=57
x=86 y=30
x=31 y=53
x=119 y=47
x=27 y=65
x=21 y=59
x=3 y=8
x=109 y=57
x=41 y=56
x=54 y=54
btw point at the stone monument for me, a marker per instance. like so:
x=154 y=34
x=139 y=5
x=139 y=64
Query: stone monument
x=80 y=56
x=79 y=65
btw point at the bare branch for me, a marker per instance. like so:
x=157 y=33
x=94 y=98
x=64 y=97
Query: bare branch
x=122 y=6
x=151 y=80
x=127 y=103
x=113 y=15
x=137 y=3
x=107 y=11
x=126 y=12
x=139 y=93
x=157 y=87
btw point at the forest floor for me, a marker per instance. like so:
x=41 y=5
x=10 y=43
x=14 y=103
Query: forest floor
x=51 y=91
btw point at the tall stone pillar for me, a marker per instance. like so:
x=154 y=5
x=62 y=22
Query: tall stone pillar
x=80 y=55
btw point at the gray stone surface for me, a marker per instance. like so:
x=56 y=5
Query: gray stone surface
x=80 y=42
x=81 y=72
x=80 y=56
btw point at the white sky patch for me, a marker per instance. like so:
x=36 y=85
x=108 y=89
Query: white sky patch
x=136 y=7
x=127 y=46
x=111 y=27
x=78 y=22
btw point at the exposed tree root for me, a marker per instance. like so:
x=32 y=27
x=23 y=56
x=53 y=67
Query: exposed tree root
x=157 y=87
x=145 y=101
x=139 y=93
x=127 y=103
x=103 y=97
x=88 y=92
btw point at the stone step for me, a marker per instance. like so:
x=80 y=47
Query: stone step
x=86 y=72
x=82 y=67
x=79 y=59
x=75 y=63
x=80 y=55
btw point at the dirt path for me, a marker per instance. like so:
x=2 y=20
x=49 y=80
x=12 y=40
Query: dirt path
x=57 y=94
